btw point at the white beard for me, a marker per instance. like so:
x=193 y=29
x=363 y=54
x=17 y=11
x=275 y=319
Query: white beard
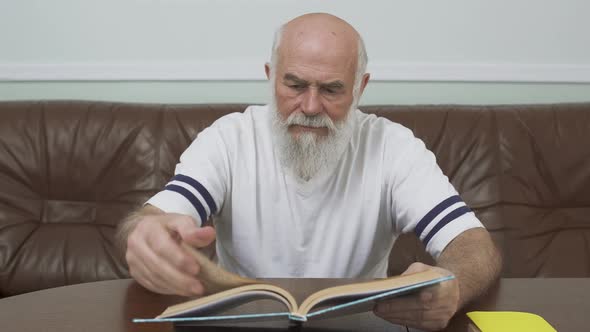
x=309 y=154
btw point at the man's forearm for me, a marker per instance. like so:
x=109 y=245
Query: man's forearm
x=474 y=260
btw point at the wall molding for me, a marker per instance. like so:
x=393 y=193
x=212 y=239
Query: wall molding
x=254 y=71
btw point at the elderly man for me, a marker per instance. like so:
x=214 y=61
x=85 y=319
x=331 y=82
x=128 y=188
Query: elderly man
x=309 y=186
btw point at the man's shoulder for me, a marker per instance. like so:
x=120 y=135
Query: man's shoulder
x=376 y=127
x=241 y=120
x=252 y=111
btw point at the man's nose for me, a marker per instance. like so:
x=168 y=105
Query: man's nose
x=311 y=104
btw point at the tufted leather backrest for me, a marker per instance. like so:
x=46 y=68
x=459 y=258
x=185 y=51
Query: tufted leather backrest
x=525 y=171
x=71 y=171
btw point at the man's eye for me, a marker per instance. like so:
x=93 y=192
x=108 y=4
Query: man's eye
x=330 y=91
x=297 y=87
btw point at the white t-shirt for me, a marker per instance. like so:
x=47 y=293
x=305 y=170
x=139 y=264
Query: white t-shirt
x=341 y=223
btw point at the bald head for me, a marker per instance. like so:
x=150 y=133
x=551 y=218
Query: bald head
x=319 y=34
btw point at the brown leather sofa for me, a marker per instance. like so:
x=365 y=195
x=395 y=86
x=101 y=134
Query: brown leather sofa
x=70 y=171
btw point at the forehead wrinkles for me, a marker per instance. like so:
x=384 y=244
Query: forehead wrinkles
x=317 y=64
x=319 y=43
x=296 y=70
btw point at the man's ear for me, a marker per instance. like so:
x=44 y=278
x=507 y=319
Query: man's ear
x=267 y=70
x=364 y=82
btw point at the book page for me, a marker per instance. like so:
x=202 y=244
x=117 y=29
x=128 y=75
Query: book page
x=214 y=278
x=229 y=290
x=346 y=293
x=229 y=299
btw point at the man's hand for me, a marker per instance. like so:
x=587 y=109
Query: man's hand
x=429 y=309
x=156 y=257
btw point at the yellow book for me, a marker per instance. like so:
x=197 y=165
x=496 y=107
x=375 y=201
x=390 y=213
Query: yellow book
x=509 y=321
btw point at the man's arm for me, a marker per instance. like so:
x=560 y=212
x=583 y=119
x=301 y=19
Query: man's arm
x=474 y=260
x=153 y=243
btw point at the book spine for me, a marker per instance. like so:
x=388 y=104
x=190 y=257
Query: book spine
x=297 y=318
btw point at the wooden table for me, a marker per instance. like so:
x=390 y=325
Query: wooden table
x=111 y=305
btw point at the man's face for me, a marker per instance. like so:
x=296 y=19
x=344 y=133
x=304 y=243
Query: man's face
x=314 y=80
x=311 y=102
x=312 y=84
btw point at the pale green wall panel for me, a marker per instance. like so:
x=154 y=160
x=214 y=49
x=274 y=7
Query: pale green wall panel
x=257 y=92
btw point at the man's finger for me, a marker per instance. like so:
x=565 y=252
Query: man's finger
x=186 y=227
x=167 y=248
x=140 y=273
x=411 y=302
x=200 y=237
x=180 y=224
x=415 y=268
x=175 y=277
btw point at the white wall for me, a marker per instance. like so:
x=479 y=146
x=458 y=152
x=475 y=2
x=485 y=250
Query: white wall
x=48 y=48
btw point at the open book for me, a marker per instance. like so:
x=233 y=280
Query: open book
x=227 y=290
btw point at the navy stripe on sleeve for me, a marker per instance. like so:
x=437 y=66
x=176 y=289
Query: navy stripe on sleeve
x=444 y=221
x=199 y=188
x=427 y=219
x=191 y=198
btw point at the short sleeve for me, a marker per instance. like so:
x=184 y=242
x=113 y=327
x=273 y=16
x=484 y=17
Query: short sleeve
x=200 y=179
x=423 y=199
